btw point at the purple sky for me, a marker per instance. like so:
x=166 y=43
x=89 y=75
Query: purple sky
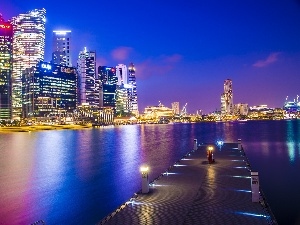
x=184 y=50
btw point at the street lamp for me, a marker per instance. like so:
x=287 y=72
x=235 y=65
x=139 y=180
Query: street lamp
x=145 y=179
x=210 y=155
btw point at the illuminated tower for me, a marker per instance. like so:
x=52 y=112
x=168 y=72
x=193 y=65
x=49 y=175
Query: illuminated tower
x=5 y=68
x=28 y=50
x=132 y=91
x=49 y=89
x=86 y=66
x=175 y=107
x=227 y=98
x=121 y=72
x=61 y=47
x=108 y=86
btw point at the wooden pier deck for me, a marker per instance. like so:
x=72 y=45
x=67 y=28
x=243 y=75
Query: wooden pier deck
x=196 y=192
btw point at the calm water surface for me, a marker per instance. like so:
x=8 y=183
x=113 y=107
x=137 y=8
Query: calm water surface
x=80 y=176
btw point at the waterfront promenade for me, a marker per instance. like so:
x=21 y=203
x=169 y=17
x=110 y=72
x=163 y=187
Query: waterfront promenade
x=192 y=191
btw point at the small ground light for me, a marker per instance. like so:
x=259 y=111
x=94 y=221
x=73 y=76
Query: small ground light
x=220 y=143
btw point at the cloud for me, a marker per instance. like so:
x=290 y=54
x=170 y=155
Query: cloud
x=101 y=61
x=172 y=58
x=273 y=57
x=121 y=53
x=157 y=66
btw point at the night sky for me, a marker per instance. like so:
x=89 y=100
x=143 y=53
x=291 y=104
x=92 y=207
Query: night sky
x=184 y=50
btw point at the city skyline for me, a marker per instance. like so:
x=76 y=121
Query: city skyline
x=184 y=51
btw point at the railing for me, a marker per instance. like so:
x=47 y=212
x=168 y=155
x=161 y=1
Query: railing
x=38 y=222
x=271 y=220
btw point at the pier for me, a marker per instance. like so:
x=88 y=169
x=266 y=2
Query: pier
x=194 y=191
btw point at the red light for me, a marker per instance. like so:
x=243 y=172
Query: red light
x=4 y=26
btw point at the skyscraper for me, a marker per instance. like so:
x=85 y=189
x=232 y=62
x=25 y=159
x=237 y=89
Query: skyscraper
x=121 y=72
x=175 y=107
x=108 y=86
x=28 y=50
x=126 y=93
x=49 y=89
x=133 y=90
x=86 y=65
x=61 y=48
x=227 y=98
x=5 y=68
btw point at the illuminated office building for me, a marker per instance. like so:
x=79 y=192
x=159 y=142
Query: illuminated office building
x=156 y=112
x=121 y=72
x=107 y=75
x=175 y=107
x=49 y=89
x=118 y=89
x=86 y=66
x=5 y=69
x=126 y=93
x=28 y=50
x=227 y=98
x=132 y=92
x=241 y=109
x=122 y=100
x=108 y=86
x=61 y=48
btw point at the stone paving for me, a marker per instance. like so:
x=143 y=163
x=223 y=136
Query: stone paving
x=196 y=192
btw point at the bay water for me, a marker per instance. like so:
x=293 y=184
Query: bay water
x=80 y=176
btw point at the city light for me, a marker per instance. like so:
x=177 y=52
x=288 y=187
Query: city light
x=5 y=26
x=61 y=32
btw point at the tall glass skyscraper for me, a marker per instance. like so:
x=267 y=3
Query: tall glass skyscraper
x=5 y=68
x=49 y=89
x=126 y=93
x=86 y=66
x=61 y=48
x=108 y=86
x=227 y=98
x=121 y=72
x=133 y=91
x=28 y=50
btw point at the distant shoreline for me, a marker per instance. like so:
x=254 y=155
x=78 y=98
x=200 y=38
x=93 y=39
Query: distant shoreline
x=43 y=127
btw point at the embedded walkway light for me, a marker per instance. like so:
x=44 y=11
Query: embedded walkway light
x=145 y=179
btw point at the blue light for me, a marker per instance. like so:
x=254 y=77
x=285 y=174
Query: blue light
x=252 y=214
x=247 y=191
x=220 y=143
x=46 y=66
x=241 y=177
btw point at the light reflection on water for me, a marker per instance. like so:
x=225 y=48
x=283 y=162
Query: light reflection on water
x=291 y=140
x=79 y=176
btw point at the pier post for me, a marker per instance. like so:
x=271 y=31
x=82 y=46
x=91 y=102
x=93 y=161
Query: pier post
x=240 y=144
x=145 y=180
x=255 y=186
x=195 y=145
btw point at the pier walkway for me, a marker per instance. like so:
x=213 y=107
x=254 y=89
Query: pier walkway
x=196 y=192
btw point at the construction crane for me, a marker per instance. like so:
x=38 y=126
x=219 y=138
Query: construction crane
x=183 y=111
